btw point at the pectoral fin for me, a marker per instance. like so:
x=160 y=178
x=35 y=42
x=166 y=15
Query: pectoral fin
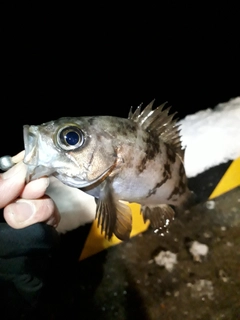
x=114 y=217
x=123 y=225
x=106 y=216
x=160 y=216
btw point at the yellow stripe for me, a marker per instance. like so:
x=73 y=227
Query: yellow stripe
x=229 y=181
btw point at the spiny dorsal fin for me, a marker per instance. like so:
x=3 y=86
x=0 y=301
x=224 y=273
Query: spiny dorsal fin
x=159 y=121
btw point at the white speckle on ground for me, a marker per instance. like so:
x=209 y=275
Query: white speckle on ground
x=198 y=250
x=210 y=204
x=201 y=288
x=223 y=276
x=166 y=259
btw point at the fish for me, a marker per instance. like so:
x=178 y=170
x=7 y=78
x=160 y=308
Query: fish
x=138 y=159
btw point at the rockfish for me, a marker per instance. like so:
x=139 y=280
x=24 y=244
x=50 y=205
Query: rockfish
x=116 y=160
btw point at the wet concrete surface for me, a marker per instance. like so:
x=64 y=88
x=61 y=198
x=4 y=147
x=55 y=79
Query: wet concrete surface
x=125 y=281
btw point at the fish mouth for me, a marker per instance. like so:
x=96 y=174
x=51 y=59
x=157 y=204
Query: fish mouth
x=36 y=172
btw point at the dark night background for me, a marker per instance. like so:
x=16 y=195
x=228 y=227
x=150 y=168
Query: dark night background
x=65 y=60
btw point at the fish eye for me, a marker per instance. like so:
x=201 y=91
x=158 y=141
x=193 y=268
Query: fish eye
x=70 y=138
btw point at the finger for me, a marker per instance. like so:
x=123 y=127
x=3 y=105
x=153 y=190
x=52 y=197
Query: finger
x=12 y=183
x=18 y=157
x=23 y=213
x=35 y=189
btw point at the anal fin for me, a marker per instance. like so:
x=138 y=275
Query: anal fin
x=159 y=216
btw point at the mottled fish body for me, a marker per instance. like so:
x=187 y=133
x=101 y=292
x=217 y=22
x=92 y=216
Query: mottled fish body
x=139 y=159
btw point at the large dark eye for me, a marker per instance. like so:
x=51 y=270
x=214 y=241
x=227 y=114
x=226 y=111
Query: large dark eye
x=70 y=138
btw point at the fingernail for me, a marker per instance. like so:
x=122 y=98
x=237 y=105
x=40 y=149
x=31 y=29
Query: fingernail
x=18 y=168
x=23 y=210
x=41 y=183
x=44 y=181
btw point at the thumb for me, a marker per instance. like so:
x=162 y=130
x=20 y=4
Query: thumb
x=23 y=213
x=12 y=183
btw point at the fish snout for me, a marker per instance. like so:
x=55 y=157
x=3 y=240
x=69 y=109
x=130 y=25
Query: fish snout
x=30 y=138
x=36 y=158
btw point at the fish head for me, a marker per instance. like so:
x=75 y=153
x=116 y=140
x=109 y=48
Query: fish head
x=71 y=149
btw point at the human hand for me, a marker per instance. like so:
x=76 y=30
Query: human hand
x=25 y=204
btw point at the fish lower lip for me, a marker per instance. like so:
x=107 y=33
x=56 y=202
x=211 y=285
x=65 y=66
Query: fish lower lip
x=34 y=173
